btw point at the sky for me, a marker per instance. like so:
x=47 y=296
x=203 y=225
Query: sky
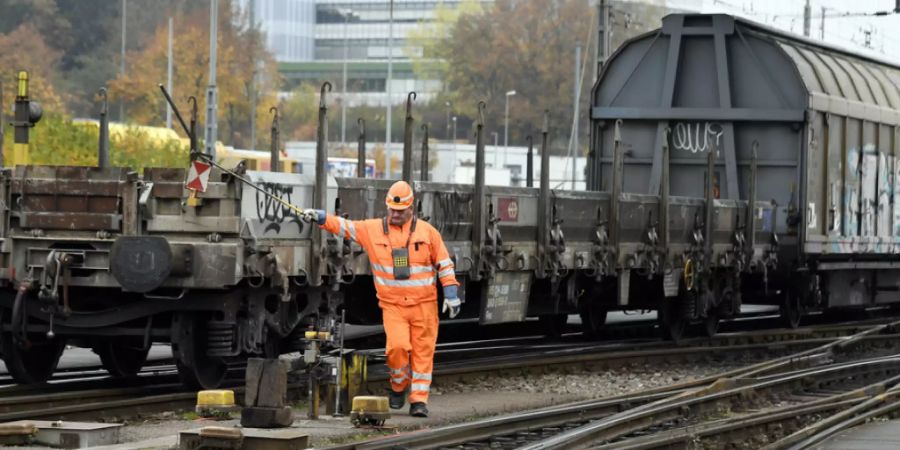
x=847 y=32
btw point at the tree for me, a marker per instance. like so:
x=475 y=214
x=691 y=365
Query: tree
x=237 y=44
x=526 y=46
x=24 y=49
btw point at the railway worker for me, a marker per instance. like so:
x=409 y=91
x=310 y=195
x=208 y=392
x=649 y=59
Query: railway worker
x=406 y=254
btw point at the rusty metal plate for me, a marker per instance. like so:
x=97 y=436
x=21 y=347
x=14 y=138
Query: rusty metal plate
x=69 y=221
x=506 y=298
x=68 y=187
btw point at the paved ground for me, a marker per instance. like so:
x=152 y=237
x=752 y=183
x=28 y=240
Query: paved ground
x=160 y=432
x=871 y=436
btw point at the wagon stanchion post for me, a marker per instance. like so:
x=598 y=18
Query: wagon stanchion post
x=709 y=208
x=750 y=240
x=529 y=163
x=361 y=149
x=103 y=147
x=423 y=171
x=407 y=139
x=664 y=197
x=479 y=220
x=618 y=179
x=197 y=155
x=274 y=151
x=544 y=199
x=320 y=194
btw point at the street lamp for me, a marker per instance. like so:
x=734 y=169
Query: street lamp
x=453 y=164
x=454 y=130
x=496 y=152
x=506 y=119
x=506 y=125
x=449 y=104
x=347 y=13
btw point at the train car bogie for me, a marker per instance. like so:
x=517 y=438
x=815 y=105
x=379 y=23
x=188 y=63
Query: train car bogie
x=122 y=356
x=30 y=358
x=197 y=342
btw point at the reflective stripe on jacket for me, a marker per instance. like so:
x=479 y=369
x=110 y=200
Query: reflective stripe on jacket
x=428 y=257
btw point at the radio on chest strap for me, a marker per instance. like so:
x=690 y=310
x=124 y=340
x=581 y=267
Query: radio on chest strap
x=400 y=256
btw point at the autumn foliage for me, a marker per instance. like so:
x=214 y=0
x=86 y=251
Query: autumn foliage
x=237 y=44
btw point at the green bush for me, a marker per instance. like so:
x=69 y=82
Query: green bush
x=57 y=140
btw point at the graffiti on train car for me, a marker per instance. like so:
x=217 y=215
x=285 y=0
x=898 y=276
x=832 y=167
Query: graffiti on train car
x=266 y=217
x=697 y=137
x=273 y=213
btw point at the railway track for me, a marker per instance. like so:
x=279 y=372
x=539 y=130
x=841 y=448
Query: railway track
x=791 y=392
x=162 y=392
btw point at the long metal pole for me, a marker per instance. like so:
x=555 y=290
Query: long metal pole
x=211 y=90
x=544 y=198
x=103 y=147
x=453 y=163
x=2 y=124
x=529 y=163
x=822 y=25
x=807 y=18
x=254 y=63
x=407 y=140
x=274 y=149
x=603 y=37
x=390 y=74
x=423 y=170
x=479 y=220
x=506 y=124
x=122 y=59
x=447 y=134
x=576 y=112
x=344 y=85
x=361 y=149
x=496 y=150
x=169 y=76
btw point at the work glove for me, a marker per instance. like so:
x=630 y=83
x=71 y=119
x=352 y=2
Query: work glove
x=451 y=301
x=314 y=215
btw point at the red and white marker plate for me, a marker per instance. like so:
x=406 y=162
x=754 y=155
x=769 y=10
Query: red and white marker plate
x=198 y=176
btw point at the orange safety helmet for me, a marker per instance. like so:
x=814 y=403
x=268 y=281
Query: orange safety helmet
x=399 y=196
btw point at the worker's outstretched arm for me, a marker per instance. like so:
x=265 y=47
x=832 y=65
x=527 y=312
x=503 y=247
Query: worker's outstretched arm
x=348 y=229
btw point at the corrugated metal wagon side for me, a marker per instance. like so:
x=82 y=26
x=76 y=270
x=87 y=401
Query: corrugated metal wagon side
x=817 y=123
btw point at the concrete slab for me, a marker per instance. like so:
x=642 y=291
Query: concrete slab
x=253 y=439
x=160 y=443
x=871 y=436
x=73 y=434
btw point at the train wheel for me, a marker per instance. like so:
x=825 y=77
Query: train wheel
x=122 y=358
x=34 y=364
x=711 y=324
x=790 y=310
x=553 y=325
x=196 y=369
x=672 y=322
x=592 y=320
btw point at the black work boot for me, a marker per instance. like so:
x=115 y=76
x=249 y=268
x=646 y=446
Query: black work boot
x=418 y=409
x=396 y=400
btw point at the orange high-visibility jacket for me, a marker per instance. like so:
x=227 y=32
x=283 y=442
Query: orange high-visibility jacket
x=428 y=257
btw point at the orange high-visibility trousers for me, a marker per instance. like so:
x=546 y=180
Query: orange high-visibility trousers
x=411 y=337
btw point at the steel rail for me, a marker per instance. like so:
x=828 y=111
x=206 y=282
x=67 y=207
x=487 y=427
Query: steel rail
x=744 y=423
x=685 y=392
x=875 y=406
x=623 y=424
